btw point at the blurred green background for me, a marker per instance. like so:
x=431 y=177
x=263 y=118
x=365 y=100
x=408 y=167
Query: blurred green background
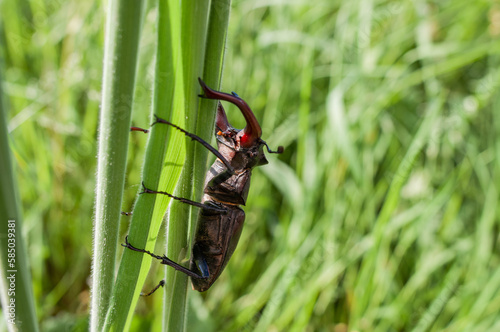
x=380 y=215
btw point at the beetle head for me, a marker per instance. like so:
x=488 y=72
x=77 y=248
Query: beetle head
x=231 y=143
x=246 y=140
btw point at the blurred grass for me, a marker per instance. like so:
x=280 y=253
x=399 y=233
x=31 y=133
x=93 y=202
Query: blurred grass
x=344 y=231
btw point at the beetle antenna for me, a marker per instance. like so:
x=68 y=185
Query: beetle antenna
x=280 y=148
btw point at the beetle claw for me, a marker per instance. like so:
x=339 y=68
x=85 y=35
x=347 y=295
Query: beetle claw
x=252 y=132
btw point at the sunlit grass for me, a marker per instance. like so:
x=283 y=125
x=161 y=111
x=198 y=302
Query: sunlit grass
x=381 y=214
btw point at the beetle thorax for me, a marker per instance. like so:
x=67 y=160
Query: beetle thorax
x=239 y=157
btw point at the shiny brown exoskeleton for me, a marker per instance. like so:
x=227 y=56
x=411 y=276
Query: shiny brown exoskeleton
x=220 y=220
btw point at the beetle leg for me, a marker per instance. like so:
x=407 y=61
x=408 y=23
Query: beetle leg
x=145 y=131
x=199 y=139
x=146 y=190
x=165 y=260
x=220 y=178
x=160 y=284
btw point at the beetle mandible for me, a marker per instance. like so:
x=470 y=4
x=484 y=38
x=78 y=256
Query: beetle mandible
x=227 y=182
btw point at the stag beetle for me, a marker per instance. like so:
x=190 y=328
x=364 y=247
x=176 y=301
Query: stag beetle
x=227 y=182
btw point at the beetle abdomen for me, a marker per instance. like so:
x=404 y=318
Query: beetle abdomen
x=215 y=241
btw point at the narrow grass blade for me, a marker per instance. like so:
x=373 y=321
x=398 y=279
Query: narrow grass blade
x=195 y=22
x=121 y=48
x=16 y=293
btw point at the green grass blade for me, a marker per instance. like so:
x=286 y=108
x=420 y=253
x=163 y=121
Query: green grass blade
x=16 y=292
x=212 y=71
x=195 y=20
x=176 y=283
x=122 y=38
x=164 y=159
